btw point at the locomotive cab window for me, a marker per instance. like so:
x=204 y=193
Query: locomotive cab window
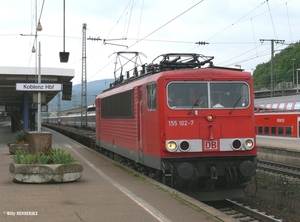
x=184 y=95
x=203 y=95
x=229 y=95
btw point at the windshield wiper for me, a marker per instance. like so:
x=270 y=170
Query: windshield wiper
x=196 y=102
x=235 y=104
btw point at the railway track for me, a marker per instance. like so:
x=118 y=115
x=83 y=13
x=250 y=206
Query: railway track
x=242 y=213
x=278 y=168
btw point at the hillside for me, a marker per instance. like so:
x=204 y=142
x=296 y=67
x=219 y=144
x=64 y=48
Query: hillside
x=284 y=63
x=93 y=89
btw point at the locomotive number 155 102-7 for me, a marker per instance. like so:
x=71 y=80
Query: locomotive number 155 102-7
x=181 y=122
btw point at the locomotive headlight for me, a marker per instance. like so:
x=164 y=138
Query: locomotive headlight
x=248 y=144
x=209 y=117
x=171 y=146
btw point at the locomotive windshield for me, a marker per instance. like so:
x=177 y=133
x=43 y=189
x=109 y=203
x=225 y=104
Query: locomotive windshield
x=186 y=95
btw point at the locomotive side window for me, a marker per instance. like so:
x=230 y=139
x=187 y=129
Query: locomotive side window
x=185 y=95
x=152 y=96
x=118 y=105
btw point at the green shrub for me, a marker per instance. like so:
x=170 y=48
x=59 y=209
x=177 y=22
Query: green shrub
x=22 y=138
x=55 y=156
x=29 y=159
x=61 y=156
x=43 y=158
x=18 y=156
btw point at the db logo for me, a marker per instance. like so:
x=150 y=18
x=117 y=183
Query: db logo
x=211 y=145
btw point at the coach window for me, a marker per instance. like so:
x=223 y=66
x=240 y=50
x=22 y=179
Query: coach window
x=297 y=107
x=280 y=130
x=267 y=130
x=281 y=107
x=289 y=107
x=273 y=130
x=268 y=108
x=260 y=130
x=288 y=131
x=152 y=96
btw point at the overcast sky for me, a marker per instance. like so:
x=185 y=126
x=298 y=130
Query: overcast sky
x=232 y=28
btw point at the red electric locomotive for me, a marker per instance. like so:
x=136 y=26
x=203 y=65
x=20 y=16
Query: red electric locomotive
x=190 y=127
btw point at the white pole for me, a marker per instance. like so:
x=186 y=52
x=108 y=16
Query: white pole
x=297 y=80
x=39 y=93
x=293 y=72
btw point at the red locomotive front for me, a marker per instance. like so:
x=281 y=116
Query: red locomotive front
x=191 y=127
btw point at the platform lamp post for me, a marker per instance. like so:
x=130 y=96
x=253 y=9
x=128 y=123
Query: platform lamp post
x=39 y=28
x=39 y=93
x=33 y=50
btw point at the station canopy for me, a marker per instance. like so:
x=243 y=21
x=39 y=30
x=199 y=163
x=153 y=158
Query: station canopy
x=10 y=76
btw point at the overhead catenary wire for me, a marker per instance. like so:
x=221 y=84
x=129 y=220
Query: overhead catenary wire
x=140 y=22
x=167 y=23
x=236 y=21
x=171 y=40
x=288 y=18
x=272 y=21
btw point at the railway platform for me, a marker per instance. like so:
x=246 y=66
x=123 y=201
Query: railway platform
x=279 y=150
x=279 y=142
x=104 y=193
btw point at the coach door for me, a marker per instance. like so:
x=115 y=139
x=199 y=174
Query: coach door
x=298 y=127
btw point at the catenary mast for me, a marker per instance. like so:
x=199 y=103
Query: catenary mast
x=83 y=80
